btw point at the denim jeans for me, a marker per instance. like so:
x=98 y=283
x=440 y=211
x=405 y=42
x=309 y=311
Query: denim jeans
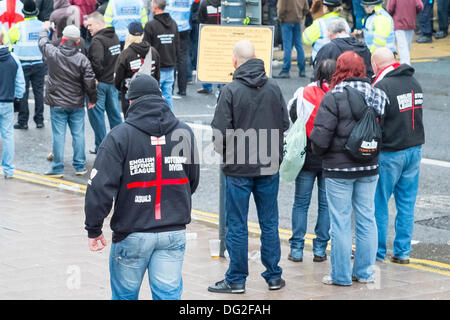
x=304 y=185
x=425 y=18
x=292 y=36
x=209 y=86
x=344 y=195
x=7 y=134
x=74 y=117
x=265 y=193
x=359 y=14
x=404 y=39
x=399 y=175
x=166 y=84
x=108 y=100
x=161 y=253
x=34 y=74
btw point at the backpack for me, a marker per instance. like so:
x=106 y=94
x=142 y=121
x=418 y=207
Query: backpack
x=364 y=141
x=294 y=153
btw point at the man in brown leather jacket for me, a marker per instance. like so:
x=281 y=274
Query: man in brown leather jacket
x=70 y=79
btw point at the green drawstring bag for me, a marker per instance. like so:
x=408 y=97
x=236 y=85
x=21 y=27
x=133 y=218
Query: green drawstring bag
x=294 y=152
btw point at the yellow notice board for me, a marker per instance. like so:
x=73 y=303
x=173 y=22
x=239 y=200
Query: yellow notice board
x=215 y=50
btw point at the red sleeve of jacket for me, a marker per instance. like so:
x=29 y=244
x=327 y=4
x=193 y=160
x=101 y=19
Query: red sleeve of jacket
x=390 y=8
x=419 y=6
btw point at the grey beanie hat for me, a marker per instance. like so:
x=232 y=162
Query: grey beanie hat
x=71 y=31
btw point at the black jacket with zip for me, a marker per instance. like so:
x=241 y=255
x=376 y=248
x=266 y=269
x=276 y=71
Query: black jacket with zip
x=162 y=34
x=209 y=12
x=251 y=105
x=103 y=53
x=129 y=165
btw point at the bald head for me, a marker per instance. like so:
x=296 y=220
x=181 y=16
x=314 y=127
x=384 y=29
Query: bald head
x=242 y=52
x=382 y=58
x=1 y=38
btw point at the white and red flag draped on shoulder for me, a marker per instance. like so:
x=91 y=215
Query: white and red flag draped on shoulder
x=10 y=12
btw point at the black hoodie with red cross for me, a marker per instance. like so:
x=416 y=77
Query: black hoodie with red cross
x=149 y=166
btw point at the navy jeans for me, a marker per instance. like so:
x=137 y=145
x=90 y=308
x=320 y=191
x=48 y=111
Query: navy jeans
x=443 y=7
x=304 y=185
x=265 y=193
x=34 y=74
x=425 y=18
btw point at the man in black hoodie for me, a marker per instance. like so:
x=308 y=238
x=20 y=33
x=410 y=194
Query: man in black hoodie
x=248 y=126
x=162 y=33
x=401 y=152
x=340 y=42
x=147 y=165
x=103 y=53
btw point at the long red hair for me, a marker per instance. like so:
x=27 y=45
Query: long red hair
x=348 y=65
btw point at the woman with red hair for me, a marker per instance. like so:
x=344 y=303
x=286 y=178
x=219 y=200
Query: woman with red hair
x=350 y=185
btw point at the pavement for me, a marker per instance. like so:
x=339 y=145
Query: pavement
x=45 y=255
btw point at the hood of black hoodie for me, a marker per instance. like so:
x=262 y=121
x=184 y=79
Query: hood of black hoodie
x=402 y=70
x=140 y=48
x=108 y=32
x=164 y=18
x=349 y=42
x=4 y=54
x=214 y=3
x=252 y=73
x=152 y=115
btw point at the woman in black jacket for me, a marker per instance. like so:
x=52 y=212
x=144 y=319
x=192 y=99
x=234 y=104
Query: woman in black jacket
x=304 y=106
x=131 y=59
x=350 y=185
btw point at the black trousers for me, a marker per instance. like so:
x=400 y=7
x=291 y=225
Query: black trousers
x=425 y=18
x=34 y=74
x=182 y=58
x=443 y=8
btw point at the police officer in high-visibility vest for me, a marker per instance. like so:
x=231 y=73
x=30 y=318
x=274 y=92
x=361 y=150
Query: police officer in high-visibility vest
x=120 y=13
x=24 y=36
x=378 y=26
x=316 y=35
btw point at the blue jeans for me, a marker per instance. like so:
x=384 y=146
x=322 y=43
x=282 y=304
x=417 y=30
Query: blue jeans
x=166 y=84
x=265 y=193
x=304 y=185
x=399 y=175
x=209 y=86
x=160 y=253
x=344 y=195
x=292 y=36
x=7 y=134
x=108 y=100
x=358 y=14
x=74 y=117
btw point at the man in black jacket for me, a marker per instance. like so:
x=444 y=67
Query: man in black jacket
x=45 y=8
x=103 y=53
x=147 y=166
x=338 y=32
x=70 y=79
x=162 y=33
x=401 y=152
x=249 y=122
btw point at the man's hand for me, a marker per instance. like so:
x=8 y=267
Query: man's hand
x=91 y=105
x=46 y=25
x=94 y=245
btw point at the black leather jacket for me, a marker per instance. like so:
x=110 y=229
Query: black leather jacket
x=70 y=74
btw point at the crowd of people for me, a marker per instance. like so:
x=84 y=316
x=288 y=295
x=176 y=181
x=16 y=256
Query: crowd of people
x=113 y=57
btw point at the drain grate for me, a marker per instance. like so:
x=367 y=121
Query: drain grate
x=438 y=222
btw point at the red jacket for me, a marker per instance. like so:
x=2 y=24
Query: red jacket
x=404 y=13
x=86 y=7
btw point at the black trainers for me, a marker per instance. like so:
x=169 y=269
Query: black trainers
x=440 y=35
x=225 y=287
x=39 y=125
x=276 y=284
x=320 y=258
x=53 y=174
x=394 y=259
x=302 y=74
x=204 y=91
x=19 y=126
x=290 y=257
x=424 y=39
x=282 y=75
